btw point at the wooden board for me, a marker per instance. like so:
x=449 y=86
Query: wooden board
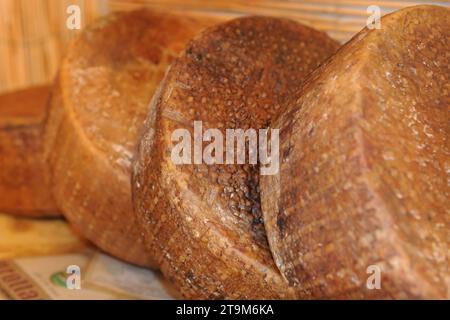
x=33 y=33
x=20 y=237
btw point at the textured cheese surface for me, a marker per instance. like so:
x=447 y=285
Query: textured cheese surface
x=101 y=98
x=203 y=222
x=364 y=177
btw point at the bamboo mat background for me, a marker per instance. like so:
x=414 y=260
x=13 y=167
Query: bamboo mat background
x=33 y=33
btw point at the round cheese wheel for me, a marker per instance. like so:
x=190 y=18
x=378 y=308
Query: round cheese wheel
x=101 y=98
x=360 y=206
x=203 y=222
x=24 y=178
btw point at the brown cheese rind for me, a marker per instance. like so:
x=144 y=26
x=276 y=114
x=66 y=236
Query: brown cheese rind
x=24 y=177
x=203 y=223
x=364 y=177
x=101 y=98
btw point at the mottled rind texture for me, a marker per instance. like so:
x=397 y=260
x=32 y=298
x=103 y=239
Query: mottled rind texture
x=203 y=223
x=99 y=105
x=364 y=176
x=24 y=177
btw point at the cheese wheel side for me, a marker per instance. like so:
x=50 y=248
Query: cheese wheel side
x=359 y=208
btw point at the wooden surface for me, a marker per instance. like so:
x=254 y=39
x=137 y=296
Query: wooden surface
x=341 y=19
x=20 y=237
x=33 y=36
x=33 y=33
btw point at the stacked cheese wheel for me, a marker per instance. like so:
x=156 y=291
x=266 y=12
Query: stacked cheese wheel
x=24 y=176
x=362 y=185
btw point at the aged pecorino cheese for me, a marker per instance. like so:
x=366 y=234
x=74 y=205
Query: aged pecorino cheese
x=203 y=222
x=360 y=207
x=101 y=98
x=24 y=178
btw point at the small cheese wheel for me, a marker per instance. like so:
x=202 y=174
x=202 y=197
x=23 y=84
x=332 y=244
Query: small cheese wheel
x=24 y=178
x=101 y=98
x=203 y=222
x=360 y=207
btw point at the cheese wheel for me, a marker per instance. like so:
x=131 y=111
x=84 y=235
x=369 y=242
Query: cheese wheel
x=24 y=178
x=101 y=98
x=360 y=206
x=203 y=222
